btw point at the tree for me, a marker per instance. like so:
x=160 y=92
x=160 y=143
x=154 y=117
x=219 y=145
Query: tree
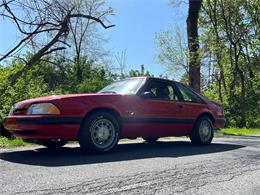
x=231 y=33
x=121 y=61
x=228 y=57
x=193 y=42
x=85 y=39
x=172 y=52
x=138 y=73
x=41 y=18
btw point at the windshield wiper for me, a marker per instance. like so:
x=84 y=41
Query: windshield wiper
x=108 y=92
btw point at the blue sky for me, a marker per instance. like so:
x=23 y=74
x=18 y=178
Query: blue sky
x=137 y=22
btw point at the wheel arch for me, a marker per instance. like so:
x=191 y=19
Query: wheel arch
x=102 y=109
x=207 y=114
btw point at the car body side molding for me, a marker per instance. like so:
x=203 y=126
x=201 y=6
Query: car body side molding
x=50 y=120
x=158 y=120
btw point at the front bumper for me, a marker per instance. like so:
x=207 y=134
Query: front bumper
x=42 y=127
x=219 y=123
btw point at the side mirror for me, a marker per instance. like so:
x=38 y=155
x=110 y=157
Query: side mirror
x=146 y=94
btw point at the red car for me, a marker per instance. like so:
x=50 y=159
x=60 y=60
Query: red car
x=136 y=107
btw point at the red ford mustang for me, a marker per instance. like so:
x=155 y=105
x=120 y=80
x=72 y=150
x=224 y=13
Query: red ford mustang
x=136 y=107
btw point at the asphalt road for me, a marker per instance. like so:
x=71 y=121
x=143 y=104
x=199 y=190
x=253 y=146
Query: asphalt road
x=228 y=166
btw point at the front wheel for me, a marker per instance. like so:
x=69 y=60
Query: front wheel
x=202 y=133
x=99 y=133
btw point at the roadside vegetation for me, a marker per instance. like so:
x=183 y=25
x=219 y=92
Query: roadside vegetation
x=11 y=142
x=229 y=53
x=243 y=131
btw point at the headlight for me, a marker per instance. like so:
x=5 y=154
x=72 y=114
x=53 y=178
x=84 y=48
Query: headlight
x=43 y=108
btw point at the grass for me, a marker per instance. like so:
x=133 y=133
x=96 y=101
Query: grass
x=11 y=142
x=242 y=131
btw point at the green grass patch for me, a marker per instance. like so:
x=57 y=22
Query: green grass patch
x=11 y=142
x=242 y=131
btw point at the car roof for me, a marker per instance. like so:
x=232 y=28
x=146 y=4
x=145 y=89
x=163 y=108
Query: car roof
x=163 y=79
x=148 y=77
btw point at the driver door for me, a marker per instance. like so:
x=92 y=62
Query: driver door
x=159 y=111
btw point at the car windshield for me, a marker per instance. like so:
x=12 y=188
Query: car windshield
x=127 y=86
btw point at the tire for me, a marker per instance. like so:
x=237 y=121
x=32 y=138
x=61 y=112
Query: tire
x=202 y=132
x=151 y=140
x=99 y=133
x=53 y=144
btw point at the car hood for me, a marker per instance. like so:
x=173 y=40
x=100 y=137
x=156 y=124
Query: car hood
x=57 y=97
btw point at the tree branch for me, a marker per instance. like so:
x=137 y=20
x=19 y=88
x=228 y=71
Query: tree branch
x=63 y=30
x=15 y=19
x=19 y=44
x=6 y=3
x=65 y=43
x=55 y=49
x=92 y=18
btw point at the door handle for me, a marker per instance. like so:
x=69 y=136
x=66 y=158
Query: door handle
x=180 y=106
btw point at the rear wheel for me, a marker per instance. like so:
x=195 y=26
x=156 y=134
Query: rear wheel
x=202 y=133
x=53 y=144
x=99 y=133
x=151 y=140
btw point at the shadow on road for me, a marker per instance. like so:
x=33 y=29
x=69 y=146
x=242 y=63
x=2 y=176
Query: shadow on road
x=68 y=156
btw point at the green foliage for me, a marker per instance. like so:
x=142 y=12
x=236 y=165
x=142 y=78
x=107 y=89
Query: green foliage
x=137 y=73
x=31 y=85
x=49 y=79
x=230 y=53
x=10 y=142
x=243 y=131
x=172 y=51
x=231 y=48
x=92 y=80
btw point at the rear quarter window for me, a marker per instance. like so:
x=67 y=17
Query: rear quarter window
x=188 y=95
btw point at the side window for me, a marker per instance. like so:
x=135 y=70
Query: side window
x=161 y=90
x=188 y=95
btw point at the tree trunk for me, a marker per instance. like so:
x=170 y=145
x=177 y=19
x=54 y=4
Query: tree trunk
x=193 y=42
x=240 y=72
